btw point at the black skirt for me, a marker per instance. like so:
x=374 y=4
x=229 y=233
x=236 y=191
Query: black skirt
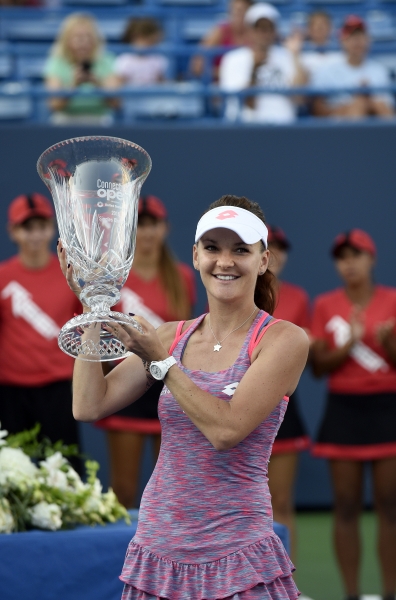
x=292 y=435
x=358 y=427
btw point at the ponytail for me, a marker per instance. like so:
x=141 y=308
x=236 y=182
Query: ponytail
x=265 y=293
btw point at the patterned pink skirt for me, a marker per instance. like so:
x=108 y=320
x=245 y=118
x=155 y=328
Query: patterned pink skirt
x=265 y=561
x=276 y=590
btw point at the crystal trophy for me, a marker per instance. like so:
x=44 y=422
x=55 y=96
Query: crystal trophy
x=95 y=183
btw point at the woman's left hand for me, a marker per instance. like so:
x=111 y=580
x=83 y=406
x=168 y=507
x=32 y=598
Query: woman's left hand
x=146 y=345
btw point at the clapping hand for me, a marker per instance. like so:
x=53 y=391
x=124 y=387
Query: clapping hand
x=356 y=322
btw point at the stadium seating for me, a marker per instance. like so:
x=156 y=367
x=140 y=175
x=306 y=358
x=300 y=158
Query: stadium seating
x=26 y=35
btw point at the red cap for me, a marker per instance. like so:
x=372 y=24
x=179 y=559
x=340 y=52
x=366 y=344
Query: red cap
x=153 y=206
x=352 y=24
x=277 y=236
x=27 y=206
x=356 y=238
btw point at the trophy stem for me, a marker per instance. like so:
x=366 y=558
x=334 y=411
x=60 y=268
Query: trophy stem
x=99 y=298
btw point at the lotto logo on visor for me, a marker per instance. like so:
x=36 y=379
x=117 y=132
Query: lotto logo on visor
x=227 y=214
x=250 y=228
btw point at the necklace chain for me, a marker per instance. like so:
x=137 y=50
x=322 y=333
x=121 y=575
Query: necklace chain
x=217 y=347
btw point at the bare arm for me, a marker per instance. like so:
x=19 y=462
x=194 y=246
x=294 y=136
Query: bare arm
x=95 y=395
x=380 y=108
x=276 y=368
x=294 y=44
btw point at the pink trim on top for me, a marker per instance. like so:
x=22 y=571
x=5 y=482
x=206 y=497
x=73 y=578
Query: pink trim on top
x=256 y=339
x=179 y=334
x=254 y=342
x=255 y=333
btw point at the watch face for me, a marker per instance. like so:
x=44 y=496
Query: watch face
x=155 y=371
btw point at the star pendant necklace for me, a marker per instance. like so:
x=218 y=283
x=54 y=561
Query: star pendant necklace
x=217 y=347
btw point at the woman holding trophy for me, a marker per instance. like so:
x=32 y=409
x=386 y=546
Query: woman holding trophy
x=159 y=289
x=205 y=523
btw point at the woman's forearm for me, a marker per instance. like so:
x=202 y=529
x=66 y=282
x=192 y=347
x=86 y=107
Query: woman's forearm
x=89 y=390
x=211 y=415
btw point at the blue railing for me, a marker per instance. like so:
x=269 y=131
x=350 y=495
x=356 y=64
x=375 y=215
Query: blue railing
x=33 y=98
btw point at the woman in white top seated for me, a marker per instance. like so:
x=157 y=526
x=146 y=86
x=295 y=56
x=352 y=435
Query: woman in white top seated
x=135 y=67
x=262 y=64
x=353 y=69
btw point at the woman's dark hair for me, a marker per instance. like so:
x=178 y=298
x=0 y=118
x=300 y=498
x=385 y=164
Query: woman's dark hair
x=265 y=293
x=140 y=27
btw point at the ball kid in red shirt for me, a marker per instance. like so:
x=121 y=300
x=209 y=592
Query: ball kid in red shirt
x=353 y=328
x=35 y=302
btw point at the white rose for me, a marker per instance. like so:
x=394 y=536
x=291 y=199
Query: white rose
x=50 y=472
x=74 y=480
x=94 y=502
x=46 y=516
x=55 y=461
x=6 y=518
x=16 y=468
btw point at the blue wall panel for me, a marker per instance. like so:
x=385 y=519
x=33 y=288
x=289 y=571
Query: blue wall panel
x=313 y=181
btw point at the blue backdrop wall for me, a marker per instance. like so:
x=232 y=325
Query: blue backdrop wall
x=313 y=181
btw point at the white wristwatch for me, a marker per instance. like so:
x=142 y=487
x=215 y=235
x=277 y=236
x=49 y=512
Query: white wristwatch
x=159 y=368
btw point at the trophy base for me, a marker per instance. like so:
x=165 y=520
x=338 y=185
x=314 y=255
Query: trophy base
x=83 y=337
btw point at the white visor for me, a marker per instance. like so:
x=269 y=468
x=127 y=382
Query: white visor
x=250 y=228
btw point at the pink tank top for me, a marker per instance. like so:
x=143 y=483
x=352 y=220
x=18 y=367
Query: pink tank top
x=201 y=505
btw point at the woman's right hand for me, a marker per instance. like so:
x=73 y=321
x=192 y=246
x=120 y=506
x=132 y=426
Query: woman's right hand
x=67 y=269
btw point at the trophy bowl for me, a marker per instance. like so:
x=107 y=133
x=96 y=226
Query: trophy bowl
x=95 y=182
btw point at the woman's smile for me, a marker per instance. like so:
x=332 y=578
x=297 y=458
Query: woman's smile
x=222 y=277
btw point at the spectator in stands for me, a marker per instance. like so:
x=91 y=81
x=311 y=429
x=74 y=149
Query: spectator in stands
x=317 y=51
x=35 y=375
x=353 y=69
x=262 y=64
x=78 y=60
x=159 y=289
x=234 y=32
x=133 y=68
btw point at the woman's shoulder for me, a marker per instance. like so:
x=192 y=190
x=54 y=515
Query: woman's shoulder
x=282 y=335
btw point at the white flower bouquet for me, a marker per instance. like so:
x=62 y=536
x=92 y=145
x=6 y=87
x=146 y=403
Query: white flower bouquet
x=49 y=493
